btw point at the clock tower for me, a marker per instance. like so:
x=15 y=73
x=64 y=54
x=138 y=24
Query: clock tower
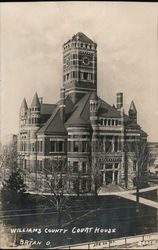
x=79 y=66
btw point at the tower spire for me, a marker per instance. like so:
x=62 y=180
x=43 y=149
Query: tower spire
x=132 y=112
x=23 y=105
x=35 y=101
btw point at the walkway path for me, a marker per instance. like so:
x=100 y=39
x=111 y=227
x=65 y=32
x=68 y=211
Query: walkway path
x=141 y=200
x=130 y=195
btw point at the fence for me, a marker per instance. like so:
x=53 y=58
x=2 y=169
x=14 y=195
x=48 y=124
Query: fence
x=141 y=240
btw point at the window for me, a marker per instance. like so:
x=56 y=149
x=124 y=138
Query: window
x=75 y=167
x=74 y=74
x=102 y=122
x=76 y=146
x=116 y=143
x=85 y=76
x=84 y=146
x=74 y=56
x=40 y=146
x=33 y=147
x=69 y=146
x=83 y=184
x=37 y=146
x=61 y=146
x=84 y=167
x=52 y=146
x=116 y=165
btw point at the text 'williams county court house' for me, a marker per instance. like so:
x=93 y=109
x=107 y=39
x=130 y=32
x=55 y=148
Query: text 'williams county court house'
x=82 y=138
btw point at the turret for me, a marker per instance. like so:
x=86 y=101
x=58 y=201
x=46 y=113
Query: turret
x=35 y=110
x=23 y=113
x=132 y=112
x=23 y=109
x=62 y=104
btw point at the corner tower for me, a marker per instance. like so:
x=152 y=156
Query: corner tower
x=79 y=66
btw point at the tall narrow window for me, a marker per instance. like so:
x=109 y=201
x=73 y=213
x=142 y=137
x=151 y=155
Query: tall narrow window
x=61 y=146
x=74 y=74
x=33 y=147
x=52 y=146
x=75 y=167
x=116 y=144
x=41 y=146
x=84 y=184
x=76 y=146
x=84 y=167
x=85 y=146
x=85 y=76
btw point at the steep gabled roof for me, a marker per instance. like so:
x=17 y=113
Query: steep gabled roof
x=24 y=105
x=54 y=125
x=35 y=101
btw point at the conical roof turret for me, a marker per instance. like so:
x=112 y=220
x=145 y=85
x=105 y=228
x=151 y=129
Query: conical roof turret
x=24 y=105
x=133 y=107
x=35 y=101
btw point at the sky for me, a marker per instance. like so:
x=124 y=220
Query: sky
x=31 y=39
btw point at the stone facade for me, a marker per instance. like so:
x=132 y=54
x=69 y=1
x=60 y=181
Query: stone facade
x=99 y=143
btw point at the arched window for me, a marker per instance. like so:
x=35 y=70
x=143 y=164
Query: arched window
x=101 y=122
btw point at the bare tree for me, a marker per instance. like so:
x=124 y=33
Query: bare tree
x=57 y=180
x=98 y=155
x=8 y=160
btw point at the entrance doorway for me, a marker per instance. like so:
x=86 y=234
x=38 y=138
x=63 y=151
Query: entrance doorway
x=108 y=177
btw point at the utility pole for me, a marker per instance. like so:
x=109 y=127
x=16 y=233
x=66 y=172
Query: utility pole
x=36 y=168
x=137 y=190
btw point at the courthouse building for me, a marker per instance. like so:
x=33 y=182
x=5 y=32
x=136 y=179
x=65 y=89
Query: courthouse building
x=99 y=142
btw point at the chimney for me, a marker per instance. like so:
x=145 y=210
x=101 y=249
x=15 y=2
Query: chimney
x=119 y=100
x=41 y=100
x=62 y=104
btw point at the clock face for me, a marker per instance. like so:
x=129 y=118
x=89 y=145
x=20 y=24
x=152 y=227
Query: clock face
x=86 y=60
